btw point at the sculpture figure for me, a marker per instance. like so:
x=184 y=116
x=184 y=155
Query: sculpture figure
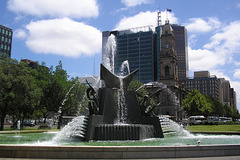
x=104 y=110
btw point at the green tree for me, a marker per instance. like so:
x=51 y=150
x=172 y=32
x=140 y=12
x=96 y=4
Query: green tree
x=216 y=105
x=27 y=93
x=196 y=104
x=75 y=100
x=45 y=80
x=7 y=95
x=138 y=87
x=18 y=92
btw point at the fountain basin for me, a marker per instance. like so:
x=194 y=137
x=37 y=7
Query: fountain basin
x=123 y=132
x=119 y=152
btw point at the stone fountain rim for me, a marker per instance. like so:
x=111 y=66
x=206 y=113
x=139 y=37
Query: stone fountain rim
x=118 y=152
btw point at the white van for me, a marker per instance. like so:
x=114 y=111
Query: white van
x=194 y=120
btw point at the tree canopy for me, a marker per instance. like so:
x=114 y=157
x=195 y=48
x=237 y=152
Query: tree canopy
x=33 y=93
x=198 y=104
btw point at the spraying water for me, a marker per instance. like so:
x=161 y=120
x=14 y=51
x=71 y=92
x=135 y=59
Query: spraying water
x=122 y=107
x=124 y=70
x=75 y=128
x=109 y=55
x=171 y=127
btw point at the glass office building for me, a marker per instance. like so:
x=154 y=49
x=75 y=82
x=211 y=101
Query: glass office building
x=141 y=49
x=5 y=41
x=142 y=46
x=181 y=43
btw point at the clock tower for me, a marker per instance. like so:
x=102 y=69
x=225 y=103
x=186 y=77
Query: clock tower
x=168 y=57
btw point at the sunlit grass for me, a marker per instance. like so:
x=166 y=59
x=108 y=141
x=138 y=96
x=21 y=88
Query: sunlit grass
x=214 y=128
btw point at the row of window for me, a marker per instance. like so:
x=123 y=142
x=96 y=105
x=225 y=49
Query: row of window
x=6 y=32
x=5 y=39
x=136 y=51
x=4 y=54
x=5 y=47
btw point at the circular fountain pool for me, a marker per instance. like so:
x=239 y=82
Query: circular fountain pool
x=49 y=139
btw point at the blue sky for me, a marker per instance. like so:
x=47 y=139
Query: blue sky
x=70 y=31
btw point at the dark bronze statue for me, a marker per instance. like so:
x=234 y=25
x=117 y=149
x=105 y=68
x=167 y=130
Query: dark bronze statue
x=104 y=123
x=93 y=104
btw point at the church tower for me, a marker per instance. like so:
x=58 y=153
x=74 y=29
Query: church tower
x=168 y=57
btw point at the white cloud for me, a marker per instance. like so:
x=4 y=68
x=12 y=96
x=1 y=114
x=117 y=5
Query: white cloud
x=144 y=19
x=20 y=33
x=55 y=8
x=63 y=37
x=132 y=3
x=203 y=59
x=222 y=46
x=222 y=49
x=200 y=25
x=228 y=38
x=237 y=73
x=238 y=5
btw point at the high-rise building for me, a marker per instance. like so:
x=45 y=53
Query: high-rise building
x=204 y=83
x=211 y=85
x=233 y=100
x=5 y=41
x=181 y=46
x=140 y=49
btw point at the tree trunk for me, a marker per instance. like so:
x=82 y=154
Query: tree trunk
x=2 y=122
x=59 y=121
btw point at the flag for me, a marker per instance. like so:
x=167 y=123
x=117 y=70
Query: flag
x=169 y=10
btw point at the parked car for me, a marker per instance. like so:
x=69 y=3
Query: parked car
x=211 y=120
x=225 y=119
x=28 y=123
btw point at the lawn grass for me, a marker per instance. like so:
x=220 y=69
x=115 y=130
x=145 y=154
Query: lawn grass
x=214 y=128
x=30 y=129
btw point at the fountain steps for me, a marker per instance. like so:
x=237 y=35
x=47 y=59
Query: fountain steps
x=123 y=132
x=80 y=131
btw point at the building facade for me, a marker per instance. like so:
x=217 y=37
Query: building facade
x=30 y=63
x=204 y=83
x=181 y=47
x=168 y=57
x=5 y=41
x=140 y=49
x=210 y=85
x=155 y=54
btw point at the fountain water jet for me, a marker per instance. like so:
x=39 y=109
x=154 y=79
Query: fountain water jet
x=114 y=103
x=110 y=51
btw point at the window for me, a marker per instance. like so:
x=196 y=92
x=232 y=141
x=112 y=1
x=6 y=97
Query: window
x=166 y=71
x=3 y=31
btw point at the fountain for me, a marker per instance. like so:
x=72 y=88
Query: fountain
x=115 y=113
x=118 y=127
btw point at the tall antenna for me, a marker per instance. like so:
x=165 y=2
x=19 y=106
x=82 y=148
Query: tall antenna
x=159 y=21
x=94 y=67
